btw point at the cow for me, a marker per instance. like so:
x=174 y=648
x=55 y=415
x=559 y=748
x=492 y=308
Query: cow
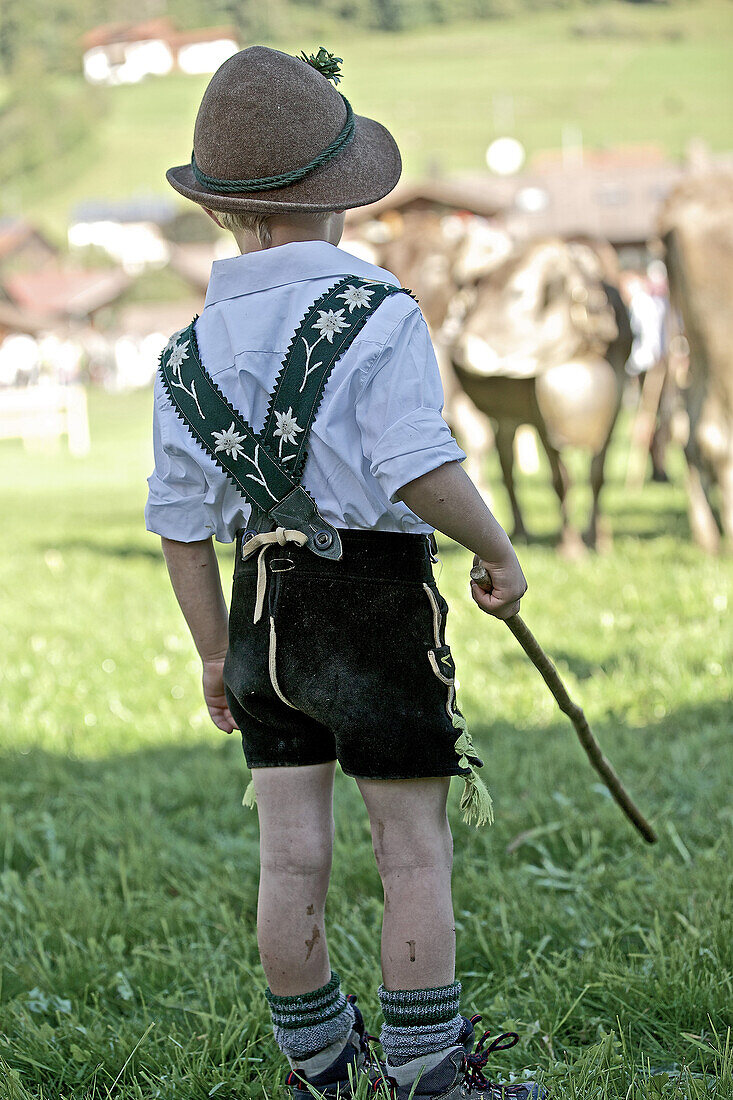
x=696 y=226
x=552 y=305
x=542 y=338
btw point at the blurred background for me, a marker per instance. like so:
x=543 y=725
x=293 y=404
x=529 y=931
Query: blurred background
x=565 y=219
x=558 y=158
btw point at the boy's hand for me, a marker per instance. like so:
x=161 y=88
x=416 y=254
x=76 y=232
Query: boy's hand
x=213 y=682
x=505 y=584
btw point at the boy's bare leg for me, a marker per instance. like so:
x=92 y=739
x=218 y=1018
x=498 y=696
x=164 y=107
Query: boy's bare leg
x=295 y=806
x=414 y=851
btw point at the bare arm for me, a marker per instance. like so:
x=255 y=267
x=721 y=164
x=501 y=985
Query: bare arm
x=194 y=574
x=447 y=499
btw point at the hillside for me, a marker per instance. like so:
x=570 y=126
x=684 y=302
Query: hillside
x=622 y=73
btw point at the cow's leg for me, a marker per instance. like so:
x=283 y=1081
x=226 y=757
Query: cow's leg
x=725 y=480
x=571 y=544
x=473 y=429
x=596 y=533
x=470 y=426
x=703 y=524
x=505 y=432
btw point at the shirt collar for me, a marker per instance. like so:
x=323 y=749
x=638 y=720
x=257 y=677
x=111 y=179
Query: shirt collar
x=294 y=262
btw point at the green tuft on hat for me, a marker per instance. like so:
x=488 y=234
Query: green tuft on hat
x=325 y=62
x=273 y=134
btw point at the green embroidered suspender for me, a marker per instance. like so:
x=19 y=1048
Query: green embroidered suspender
x=266 y=467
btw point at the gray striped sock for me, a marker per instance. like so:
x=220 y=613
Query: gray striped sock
x=306 y=1023
x=419 y=1021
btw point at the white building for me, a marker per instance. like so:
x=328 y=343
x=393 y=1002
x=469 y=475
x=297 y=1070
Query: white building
x=203 y=51
x=129 y=231
x=126 y=53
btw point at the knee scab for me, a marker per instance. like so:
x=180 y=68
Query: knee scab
x=311 y=943
x=411 y=945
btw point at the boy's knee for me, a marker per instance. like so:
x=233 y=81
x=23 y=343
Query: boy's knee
x=305 y=851
x=397 y=850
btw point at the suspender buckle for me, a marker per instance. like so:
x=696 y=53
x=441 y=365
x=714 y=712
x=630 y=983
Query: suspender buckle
x=298 y=510
x=247 y=536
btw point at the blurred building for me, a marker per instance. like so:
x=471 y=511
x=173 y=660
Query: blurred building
x=22 y=244
x=64 y=294
x=130 y=231
x=126 y=53
x=612 y=194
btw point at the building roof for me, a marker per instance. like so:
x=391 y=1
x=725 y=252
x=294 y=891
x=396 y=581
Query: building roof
x=17 y=319
x=202 y=34
x=65 y=292
x=450 y=191
x=612 y=194
x=16 y=232
x=108 y=33
x=162 y=29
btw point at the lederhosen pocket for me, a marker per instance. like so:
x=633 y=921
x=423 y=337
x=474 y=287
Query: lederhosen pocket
x=440 y=656
x=475 y=801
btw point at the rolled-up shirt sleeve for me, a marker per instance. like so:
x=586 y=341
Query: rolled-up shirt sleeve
x=178 y=490
x=399 y=410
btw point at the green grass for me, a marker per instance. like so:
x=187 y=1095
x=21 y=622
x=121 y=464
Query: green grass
x=128 y=869
x=664 y=76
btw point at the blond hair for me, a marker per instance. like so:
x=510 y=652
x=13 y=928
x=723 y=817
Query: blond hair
x=258 y=224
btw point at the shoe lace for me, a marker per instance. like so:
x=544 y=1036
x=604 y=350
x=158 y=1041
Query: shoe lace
x=474 y=1063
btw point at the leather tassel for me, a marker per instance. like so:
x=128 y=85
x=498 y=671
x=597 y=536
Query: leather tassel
x=476 y=801
x=250 y=799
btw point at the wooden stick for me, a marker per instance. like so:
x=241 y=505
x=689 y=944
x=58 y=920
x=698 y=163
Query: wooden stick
x=549 y=674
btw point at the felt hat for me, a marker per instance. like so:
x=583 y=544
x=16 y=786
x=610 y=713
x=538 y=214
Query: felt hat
x=273 y=134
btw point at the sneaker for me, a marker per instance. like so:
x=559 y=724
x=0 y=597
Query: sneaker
x=333 y=1081
x=460 y=1076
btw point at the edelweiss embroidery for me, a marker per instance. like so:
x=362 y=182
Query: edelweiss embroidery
x=287 y=428
x=266 y=467
x=229 y=441
x=329 y=322
x=179 y=352
x=356 y=296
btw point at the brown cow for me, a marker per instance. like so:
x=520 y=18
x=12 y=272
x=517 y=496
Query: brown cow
x=555 y=317
x=543 y=341
x=696 y=222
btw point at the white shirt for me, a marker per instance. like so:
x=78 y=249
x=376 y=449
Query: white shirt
x=379 y=424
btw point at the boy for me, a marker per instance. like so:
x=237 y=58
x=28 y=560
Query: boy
x=334 y=648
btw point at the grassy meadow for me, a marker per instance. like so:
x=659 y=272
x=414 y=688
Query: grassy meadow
x=128 y=868
x=623 y=73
